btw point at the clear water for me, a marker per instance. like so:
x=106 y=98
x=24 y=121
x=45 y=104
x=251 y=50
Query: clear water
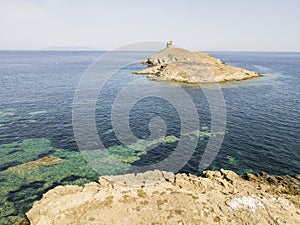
x=36 y=96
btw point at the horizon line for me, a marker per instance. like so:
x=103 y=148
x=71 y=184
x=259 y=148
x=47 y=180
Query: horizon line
x=98 y=50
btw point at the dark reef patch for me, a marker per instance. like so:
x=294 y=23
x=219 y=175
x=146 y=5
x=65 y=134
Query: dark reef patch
x=15 y=151
x=71 y=178
x=5 y=166
x=3 y=180
x=46 y=154
x=21 y=204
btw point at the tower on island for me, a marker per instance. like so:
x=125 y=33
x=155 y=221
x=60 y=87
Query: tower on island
x=170 y=44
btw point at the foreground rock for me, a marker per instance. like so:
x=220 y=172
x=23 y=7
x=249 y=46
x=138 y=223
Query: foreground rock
x=181 y=65
x=154 y=197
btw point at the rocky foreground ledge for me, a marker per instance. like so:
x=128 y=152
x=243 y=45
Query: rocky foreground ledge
x=155 y=197
x=181 y=65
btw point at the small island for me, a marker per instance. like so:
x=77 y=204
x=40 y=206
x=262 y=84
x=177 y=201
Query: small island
x=181 y=65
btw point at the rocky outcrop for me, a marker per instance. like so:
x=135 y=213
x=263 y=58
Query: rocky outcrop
x=155 y=197
x=181 y=65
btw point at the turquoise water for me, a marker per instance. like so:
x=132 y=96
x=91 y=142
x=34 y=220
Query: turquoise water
x=36 y=96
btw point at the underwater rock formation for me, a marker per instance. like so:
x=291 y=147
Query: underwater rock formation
x=181 y=65
x=45 y=161
x=33 y=166
x=155 y=197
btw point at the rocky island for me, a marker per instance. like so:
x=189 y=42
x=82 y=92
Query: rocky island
x=181 y=65
x=156 y=197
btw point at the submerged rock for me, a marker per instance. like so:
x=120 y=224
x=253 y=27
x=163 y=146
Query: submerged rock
x=155 y=197
x=181 y=65
x=45 y=161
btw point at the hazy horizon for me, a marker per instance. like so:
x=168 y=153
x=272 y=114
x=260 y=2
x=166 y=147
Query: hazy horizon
x=107 y=50
x=266 y=26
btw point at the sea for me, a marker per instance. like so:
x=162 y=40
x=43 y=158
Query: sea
x=261 y=119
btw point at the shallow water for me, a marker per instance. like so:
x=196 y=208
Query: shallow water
x=36 y=96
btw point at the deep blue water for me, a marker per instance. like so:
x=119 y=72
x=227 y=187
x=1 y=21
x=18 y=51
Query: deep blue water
x=262 y=114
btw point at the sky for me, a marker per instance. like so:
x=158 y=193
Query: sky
x=215 y=25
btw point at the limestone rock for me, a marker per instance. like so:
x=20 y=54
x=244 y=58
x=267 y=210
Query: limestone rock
x=155 y=197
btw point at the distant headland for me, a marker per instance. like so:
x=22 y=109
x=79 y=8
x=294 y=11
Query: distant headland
x=181 y=65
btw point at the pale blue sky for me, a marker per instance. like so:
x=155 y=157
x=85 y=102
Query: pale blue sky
x=256 y=25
